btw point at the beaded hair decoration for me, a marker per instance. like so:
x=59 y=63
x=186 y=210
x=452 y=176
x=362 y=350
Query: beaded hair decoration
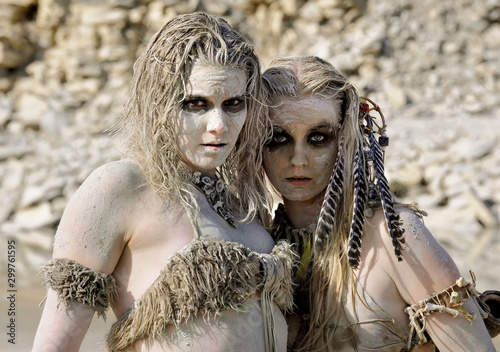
x=371 y=189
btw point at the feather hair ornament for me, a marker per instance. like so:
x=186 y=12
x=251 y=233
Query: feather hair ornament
x=377 y=176
x=332 y=195
x=370 y=188
x=391 y=217
x=358 y=217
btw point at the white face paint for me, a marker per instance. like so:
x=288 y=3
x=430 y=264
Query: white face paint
x=300 y=158
x=212 y=116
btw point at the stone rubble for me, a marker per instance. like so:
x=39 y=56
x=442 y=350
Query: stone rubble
x=432 y=66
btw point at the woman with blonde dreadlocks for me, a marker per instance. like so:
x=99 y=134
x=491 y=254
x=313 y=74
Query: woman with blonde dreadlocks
x=371 y=276
x=159 y=237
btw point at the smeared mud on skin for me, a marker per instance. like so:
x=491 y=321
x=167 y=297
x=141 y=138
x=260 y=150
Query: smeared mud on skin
x=292 y=127
x=59 y=243
x=231 y=334
x=97 y=240
x=93 y=222
x=414 y=228
x=213 y=121
x=302 y=120
x=100 y=229
x=322 y=159
x=101 y=244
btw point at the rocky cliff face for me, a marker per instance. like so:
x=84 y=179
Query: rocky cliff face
x=432 y=66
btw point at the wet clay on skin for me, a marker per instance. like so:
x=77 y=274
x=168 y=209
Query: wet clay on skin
x=414 y=228
x=212 y=115
x=92 y=235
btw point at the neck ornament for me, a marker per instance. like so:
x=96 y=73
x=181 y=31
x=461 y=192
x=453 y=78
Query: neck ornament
x=214 y=191
x=300 y=239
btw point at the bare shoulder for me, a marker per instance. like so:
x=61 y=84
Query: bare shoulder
x=420 y=243
x=113 y=186
x=122 y=175
x=97 y=220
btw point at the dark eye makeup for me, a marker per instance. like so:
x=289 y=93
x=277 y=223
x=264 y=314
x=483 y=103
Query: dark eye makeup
x=198 y=104
x=279 y=137
x=194 y=104
x=316 y=137
x=234 y=104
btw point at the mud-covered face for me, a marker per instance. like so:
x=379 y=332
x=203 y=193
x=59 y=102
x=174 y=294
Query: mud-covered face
x=300 y=157
x=212 y=116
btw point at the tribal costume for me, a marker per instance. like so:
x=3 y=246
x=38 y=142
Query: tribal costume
x=208 y=277
x=363 y=325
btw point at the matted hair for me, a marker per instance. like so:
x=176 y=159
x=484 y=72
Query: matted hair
x=296 y=77
x=150 y=117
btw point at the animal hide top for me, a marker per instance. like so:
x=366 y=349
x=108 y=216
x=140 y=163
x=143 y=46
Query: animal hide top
x=204 y=279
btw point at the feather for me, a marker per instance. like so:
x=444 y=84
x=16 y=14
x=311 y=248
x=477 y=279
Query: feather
x=358 y=218
x=332 y=195
x=392 y=219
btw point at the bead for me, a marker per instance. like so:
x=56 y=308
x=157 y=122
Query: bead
x=368 y=154
x=372 y=202
x=368 y=212
x=383 y=140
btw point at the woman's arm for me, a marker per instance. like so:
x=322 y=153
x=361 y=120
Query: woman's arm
x=428 y=269
x=91 y=235
x=62 y=327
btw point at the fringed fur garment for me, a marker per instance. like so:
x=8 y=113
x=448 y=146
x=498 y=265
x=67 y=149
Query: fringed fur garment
x=205 y=279
x=75 y=282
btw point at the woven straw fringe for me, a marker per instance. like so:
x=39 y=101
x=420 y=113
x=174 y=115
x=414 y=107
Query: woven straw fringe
x=75 y=282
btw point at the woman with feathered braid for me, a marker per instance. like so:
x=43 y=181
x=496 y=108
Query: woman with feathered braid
x=371 y=276
x=169 y=236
